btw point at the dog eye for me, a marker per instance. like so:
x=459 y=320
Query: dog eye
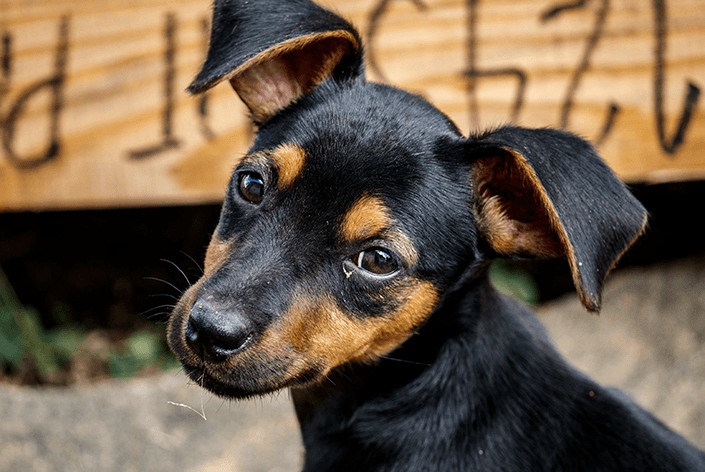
x=251 y=187
x=377 y=261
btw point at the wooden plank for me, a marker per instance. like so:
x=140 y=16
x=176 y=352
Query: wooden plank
x=116 y=127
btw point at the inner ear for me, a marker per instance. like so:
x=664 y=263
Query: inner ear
x=512 y=210
x=275 y=78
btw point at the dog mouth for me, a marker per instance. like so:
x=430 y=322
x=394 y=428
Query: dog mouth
x=243 y=383
x=251 y=375
x=264 y=363
x=219 y=386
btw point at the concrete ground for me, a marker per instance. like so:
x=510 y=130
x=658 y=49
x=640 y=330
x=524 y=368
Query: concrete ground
x=649 y=340
x=131 y=426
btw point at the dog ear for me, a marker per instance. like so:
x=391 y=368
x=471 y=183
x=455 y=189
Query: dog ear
x=274 y=51
x=547 y=193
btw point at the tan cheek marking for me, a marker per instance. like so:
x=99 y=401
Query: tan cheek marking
x=320 y=330
x=216 y=255
x=420 y=299
x=367 y=217
x=289 y=161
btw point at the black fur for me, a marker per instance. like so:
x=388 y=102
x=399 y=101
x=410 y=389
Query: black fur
x=478 y=384
x=497 y=397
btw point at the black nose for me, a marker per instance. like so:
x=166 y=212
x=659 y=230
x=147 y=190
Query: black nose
x=217 y=334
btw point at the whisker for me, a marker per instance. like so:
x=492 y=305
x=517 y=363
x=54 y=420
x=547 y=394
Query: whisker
x=168 y=283
x=169 y=305
x=165 y=295
x=221 y=405
x=165 y=315
x=285 y=361
x=194 y=261
x=404 y=360
x=179 y=269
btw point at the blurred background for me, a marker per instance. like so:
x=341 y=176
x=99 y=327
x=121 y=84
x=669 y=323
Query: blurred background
x=111 y=177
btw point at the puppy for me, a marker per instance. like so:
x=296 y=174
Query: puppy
x=350 y=265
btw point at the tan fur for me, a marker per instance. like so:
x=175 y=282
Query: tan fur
x=321 y=330
x=216 y=254
x=273 y=79
x=418 y=301
x=289 y=160
x=181 y=313
x=520 y=225
x=543 y=236
x=368 y=217
x=558 y=228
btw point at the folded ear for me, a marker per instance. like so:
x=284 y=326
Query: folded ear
x=547 y=193
x=274 y=51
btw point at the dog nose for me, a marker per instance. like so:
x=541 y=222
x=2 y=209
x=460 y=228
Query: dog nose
x=216 y=333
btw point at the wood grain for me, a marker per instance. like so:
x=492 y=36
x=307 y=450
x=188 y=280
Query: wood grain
x=469 y=57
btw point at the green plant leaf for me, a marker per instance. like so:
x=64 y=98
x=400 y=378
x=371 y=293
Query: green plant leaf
x=33 y=334
x=11 y=341
x=514 y=281
x=66 y=341
x=144 y=346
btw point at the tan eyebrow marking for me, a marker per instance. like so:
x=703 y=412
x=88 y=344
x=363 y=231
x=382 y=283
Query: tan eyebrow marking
x=288 y=159
x=368 y=216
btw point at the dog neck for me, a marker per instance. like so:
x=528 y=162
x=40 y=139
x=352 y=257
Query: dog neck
x=441 y=385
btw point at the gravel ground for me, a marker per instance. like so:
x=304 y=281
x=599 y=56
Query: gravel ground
x=649 y=340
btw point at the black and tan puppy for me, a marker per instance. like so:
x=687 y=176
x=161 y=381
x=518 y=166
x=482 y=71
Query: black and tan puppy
x=356 y=233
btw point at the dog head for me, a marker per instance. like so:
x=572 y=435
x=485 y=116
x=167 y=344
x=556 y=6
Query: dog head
x=360 y=206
